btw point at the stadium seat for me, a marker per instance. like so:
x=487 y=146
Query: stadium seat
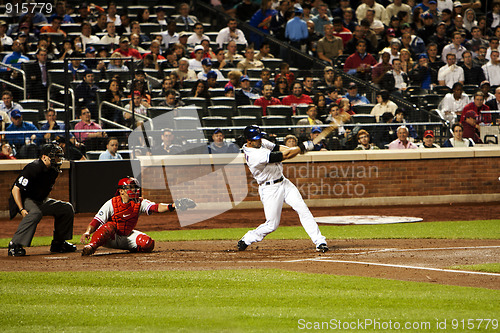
x=216 y=92
x=196 y=101
x=148 y=28
x=295 y=119
x=186 y=123
x=251 y=110
x=223 y=101
x=363 y=119
x=272 y=63
x=32 y=115
x=221 y=110
x=214 y=121
x=157 y=111
x=441 y=90
x=155 y=101
x=242 y=121
x=34 y=104
x=363 y=108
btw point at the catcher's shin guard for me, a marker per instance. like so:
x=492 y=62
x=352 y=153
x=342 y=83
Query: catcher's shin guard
x=100 y=237
x=144 y=243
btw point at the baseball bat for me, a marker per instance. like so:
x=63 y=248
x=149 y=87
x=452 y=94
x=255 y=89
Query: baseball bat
x=337 y=122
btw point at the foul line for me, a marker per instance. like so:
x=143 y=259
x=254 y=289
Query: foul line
x=422 y=249
x=397 y=266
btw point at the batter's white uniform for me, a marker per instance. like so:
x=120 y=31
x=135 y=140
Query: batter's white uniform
x=273 y=193
x=121 y=242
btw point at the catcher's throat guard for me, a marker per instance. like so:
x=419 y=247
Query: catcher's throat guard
x=132 y=186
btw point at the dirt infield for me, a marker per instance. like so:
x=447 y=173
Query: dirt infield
x=409 y=260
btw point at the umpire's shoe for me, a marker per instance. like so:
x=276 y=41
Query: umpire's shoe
x=242 y=246
x=16 y=250
x=322 y=248
x=62 y=247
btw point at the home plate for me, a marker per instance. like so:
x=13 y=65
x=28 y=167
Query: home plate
x=366 y=219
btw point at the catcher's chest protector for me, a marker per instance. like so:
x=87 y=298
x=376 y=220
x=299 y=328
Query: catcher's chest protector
x=125 y=215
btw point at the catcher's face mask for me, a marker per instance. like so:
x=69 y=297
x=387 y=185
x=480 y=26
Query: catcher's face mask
x=132 y=186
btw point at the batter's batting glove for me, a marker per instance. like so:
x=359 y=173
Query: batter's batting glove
x=183 y=204
x=306 y=146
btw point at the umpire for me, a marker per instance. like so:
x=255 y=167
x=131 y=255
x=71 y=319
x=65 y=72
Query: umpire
x=29 y=197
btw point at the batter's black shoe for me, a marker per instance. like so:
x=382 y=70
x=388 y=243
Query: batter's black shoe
x=16 y=250
x=62 y=247
x=242 y=246
x=322 y=248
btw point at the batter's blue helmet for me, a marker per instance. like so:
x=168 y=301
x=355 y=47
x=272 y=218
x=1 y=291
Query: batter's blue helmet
x=252 y=132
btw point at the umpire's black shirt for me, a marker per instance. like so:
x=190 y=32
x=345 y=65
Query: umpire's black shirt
x=36 y=180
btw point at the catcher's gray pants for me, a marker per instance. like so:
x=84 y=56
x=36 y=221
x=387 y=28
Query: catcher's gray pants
x=63 y=220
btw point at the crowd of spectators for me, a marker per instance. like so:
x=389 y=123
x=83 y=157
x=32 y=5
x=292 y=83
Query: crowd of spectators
x=391 y=45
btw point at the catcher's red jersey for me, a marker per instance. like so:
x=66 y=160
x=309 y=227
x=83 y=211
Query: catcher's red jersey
x=125 y=215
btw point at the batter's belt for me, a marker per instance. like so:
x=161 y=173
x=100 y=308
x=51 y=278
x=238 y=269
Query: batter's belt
x=271 y=182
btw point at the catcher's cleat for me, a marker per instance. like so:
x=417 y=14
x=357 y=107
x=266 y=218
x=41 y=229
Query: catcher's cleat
x=242 y=245
x=16 y=250
x=88 y=250
x=322 y=248
x=62 y=247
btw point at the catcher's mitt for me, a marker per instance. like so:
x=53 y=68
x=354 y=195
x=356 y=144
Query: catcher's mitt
x=183 y=204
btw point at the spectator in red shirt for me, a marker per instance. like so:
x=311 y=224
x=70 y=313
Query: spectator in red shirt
x=360 y=62
x=470 y=127
x=267 y=98
x=297 y=97
x=478 y=107
x=340 y=31
x=127 y=51
x=285 y=72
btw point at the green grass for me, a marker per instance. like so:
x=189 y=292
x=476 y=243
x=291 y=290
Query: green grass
x=225 y=301
x=489 y=229
x=489 y=268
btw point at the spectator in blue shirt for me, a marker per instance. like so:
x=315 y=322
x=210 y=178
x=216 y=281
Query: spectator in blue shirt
x=18 y=125
x=296 y=28
x=111 y=152
x=353 y=96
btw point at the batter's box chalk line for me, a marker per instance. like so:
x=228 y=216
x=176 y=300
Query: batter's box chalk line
x=366 y=219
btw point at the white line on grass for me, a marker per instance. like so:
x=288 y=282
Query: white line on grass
x=422 y=249
x=403 y=266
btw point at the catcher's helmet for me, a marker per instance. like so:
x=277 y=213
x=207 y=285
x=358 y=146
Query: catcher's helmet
x=132 y=186
x=55 y=153
x=253 y=132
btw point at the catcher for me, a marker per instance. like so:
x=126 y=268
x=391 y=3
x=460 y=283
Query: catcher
x=113 y=226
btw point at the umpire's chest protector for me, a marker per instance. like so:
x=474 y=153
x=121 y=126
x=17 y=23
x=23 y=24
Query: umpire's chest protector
x=125 y=215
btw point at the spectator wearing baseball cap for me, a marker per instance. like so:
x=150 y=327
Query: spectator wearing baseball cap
x=220 y=146
x=4 y=39
x=470 y=126
x=207 y=66
x=354 y=97
x=315 y=131
x=195 y=62
x=125 y=49
x=246 y=95
x=428 y=140
x=19 y=125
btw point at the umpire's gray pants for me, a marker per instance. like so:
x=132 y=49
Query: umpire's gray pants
x=63 y=220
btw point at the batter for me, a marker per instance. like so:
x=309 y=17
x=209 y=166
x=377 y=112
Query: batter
x=264 y=161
